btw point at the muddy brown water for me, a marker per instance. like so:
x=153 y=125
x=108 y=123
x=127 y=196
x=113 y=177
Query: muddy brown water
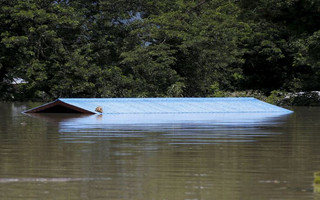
x=79 y=157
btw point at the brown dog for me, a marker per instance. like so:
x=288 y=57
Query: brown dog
x=99 y=109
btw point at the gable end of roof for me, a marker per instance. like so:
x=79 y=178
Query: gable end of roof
x=58 y=106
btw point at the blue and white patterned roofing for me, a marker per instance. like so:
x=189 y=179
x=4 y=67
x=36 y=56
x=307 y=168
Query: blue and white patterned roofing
x=175 y=105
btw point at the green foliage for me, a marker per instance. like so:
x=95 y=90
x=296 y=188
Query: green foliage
x=200 y=44
x=276 y=97
x=91 y=48
x=176 y=90
x=214 y=89
x=151 y=69
x=278 y=43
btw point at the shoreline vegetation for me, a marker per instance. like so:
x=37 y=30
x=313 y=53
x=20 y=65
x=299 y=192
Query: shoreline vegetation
x=268 y=49
x=276 y=97
x=282 y=98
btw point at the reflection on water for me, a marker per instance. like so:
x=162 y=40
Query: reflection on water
x=170 y=128
x=20 y=180
x=234 y=127
x=158 y=156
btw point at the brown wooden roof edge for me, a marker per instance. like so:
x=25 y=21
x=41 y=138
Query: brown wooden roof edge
x=55 y=103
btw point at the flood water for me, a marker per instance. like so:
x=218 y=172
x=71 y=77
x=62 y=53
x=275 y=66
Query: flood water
x=71 y=157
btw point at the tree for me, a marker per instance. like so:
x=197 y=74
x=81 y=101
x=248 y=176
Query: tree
x=61 y=49
x=36 y=37
x=280 y=29
x=197 y=41
x=118 y=48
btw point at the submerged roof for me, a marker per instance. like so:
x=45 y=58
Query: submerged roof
x=158 y=105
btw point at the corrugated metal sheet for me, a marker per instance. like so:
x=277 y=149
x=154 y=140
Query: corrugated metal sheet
x=168 y=105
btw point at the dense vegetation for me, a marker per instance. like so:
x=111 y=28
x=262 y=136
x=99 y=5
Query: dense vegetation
x=151 y=48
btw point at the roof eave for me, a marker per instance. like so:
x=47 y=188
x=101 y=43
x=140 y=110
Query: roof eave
x=58 y=102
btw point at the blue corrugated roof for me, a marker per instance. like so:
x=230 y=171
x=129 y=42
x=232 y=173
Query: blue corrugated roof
x=146 y=121
x=174 y=105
